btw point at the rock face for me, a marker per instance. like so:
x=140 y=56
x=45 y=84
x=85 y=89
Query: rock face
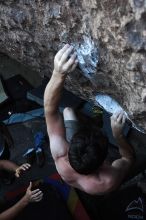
x=110 y=38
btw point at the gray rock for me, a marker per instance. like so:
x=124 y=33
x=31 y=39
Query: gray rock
x=31 y=32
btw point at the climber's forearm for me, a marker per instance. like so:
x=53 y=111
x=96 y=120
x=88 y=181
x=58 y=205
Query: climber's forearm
x=53 y=93
x=125 y=149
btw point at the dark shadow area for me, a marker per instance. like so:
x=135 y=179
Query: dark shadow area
x=52 y=206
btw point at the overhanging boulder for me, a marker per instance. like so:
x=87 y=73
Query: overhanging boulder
x=109 y=36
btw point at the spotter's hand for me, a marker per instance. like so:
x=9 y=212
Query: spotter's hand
x=33 y=195
x=22 y=169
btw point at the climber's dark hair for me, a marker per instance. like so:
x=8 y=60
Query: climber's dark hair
x=87 y=151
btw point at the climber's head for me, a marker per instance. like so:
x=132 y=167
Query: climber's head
x=88 y=150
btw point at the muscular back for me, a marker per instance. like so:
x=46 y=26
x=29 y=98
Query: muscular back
x=98 y=183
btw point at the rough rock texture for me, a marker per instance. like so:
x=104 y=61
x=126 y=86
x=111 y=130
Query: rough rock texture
x=32 y=31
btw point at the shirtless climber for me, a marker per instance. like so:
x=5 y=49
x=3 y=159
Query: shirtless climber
x=80 y=153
